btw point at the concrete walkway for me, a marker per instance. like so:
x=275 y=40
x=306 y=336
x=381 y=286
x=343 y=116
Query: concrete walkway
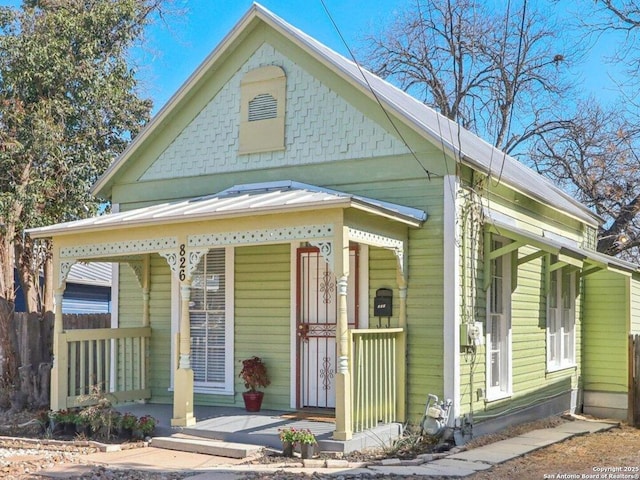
x=456 y=464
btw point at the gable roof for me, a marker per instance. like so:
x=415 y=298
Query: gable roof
x=240 y=200
x=443 y=132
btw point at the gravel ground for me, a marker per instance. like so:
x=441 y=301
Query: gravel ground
x=21 y=458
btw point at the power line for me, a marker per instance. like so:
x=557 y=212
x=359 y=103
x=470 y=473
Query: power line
x=375 y=95
x=520 y=38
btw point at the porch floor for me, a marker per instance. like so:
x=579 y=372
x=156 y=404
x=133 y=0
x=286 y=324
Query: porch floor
x=231 y=424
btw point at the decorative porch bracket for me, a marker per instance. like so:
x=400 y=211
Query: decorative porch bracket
x=65 y=268
x=397 y=246
x=326 y=250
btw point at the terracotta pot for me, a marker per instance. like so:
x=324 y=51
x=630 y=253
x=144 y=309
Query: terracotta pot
x=252 y=401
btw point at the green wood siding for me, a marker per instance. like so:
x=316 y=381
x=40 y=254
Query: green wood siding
x=130 y=315
x=130 y=305
x=130 y=298
x=160 y=320
x=382 y=274
x=425 y=303
x=362 y=162
x=531 y=382
x=532 y=215
x=606 y=332
x=263 y=317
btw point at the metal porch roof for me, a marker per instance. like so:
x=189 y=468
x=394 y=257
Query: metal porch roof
x=240 y=200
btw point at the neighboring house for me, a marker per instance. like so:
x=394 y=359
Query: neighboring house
x=88 y=289
x=265 y=206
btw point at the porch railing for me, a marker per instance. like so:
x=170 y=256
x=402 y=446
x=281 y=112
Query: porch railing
x=377 y=372
x=113 y=360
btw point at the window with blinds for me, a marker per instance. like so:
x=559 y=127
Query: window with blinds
x=207 y=313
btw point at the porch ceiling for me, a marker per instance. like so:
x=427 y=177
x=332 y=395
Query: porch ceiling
x=237 y=201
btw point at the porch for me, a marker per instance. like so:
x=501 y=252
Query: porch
x=231 y=424
x=116 y=361
x=171 y=248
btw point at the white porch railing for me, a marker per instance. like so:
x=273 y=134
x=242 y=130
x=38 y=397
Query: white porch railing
x=111 y=359
x=377 y=372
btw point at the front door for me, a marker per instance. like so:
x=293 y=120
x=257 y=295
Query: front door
x=316 y=325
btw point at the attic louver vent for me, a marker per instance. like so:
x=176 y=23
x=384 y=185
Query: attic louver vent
x=263 y=97
x=262 y=107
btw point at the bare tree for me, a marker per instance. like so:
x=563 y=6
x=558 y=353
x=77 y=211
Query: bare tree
x=626 y=14
x=596 y=156
x=483 y=68
x=621 y=17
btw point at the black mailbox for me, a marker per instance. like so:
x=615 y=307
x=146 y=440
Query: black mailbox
x=383 y=303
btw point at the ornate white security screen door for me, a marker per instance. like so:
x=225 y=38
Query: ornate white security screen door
x=316 y=326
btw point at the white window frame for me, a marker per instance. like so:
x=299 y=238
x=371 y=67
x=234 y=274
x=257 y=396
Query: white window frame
x=228 y=387
x=561 y=320
x=502 y=346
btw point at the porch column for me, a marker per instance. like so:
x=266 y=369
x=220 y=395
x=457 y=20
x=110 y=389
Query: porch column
x=59 y=378
x=344 y=428
x=401 y=356
x=146 y=317
x=183 y=380
x=146 y=275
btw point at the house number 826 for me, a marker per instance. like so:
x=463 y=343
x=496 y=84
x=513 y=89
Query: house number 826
x=183 y=263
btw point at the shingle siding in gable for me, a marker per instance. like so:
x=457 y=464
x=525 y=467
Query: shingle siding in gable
x=320 y=127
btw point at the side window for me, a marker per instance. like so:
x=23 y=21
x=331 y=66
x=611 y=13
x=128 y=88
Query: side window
x=262 y=110
x=561 y=319
x=498 y=344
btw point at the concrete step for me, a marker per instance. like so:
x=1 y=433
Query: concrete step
x=206 y=446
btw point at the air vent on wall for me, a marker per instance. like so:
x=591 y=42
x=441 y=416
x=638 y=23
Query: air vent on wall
x=263 y=107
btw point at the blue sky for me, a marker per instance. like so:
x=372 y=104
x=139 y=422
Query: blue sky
x=176 y=48
x=181 y=46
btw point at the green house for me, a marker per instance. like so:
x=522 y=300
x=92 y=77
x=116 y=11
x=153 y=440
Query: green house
x=288 y=205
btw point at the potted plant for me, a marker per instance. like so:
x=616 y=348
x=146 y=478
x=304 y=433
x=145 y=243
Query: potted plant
x=307 y=441
x=288 y=437
x=146 y=424
x=254 y=375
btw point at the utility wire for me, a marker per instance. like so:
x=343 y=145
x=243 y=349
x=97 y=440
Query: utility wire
x=444 y=154
x=520 y=35
x=375 y=95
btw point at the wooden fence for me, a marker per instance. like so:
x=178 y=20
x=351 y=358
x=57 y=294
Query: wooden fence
x=33 y=344
x=634 y=380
